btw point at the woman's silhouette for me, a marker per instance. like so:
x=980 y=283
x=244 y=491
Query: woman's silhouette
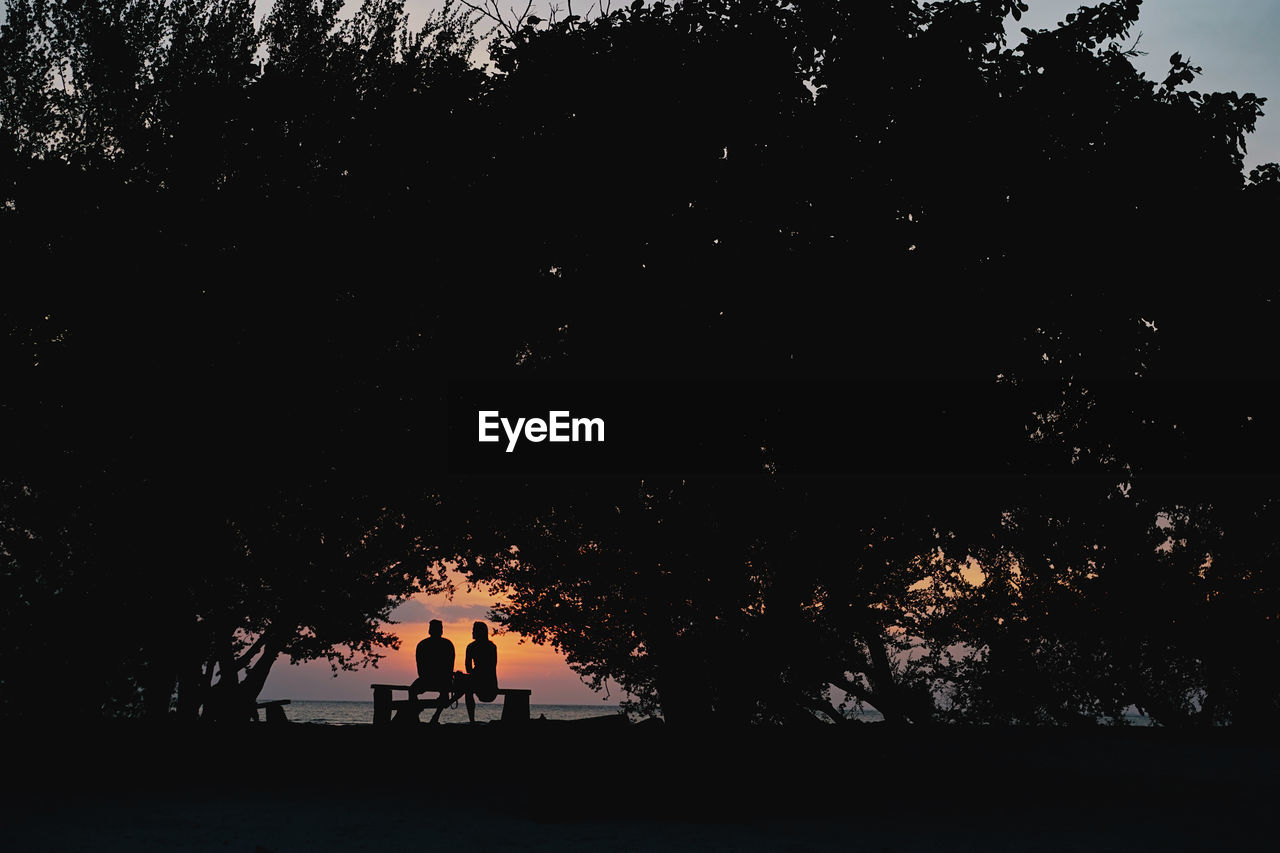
x=482 y=669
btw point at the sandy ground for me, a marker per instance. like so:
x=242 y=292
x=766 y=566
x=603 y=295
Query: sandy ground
x=282 y=824
x=259 y=790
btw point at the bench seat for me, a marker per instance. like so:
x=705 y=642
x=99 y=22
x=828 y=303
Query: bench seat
x=515 y=703
x=275 y=710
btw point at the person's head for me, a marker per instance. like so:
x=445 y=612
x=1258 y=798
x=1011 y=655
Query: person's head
x=480 y=631
x=435 y=627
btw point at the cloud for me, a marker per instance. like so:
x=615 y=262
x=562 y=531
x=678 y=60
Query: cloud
x=418 y=611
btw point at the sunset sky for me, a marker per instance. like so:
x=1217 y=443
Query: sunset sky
x=520 y=663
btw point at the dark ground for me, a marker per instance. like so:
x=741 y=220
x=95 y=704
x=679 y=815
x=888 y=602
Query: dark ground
x=607 y=786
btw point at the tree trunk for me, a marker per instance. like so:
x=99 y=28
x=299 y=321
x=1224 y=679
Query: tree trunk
x=684 y=700
x=256 y=675
x=681 y=680
x=191 y=692
x=224 y=701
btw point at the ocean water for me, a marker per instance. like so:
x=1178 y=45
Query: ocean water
x=355 y=713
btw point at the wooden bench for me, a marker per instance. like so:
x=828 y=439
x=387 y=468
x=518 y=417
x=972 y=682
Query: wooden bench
x=515 y=704
x=275 y=710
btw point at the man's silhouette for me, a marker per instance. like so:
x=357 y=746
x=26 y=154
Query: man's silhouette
x=435 y=666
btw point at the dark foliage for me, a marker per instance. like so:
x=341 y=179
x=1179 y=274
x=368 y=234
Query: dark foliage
x=293 y=234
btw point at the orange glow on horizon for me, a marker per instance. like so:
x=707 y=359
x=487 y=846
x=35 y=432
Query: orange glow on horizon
x=521 y=664
x=519 y=661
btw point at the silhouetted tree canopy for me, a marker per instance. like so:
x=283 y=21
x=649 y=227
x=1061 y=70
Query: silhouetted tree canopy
x=252 y=254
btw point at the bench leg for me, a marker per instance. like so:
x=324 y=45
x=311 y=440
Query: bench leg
x=515 y=707
x=381 y=705
x=408 y=714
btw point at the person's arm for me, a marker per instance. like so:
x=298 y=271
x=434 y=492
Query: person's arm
x=471 y=657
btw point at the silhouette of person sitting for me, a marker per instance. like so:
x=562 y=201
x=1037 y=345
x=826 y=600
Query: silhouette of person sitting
x=435 y=667
x=481 y=678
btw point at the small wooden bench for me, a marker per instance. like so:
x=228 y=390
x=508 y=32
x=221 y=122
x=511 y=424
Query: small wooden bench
x=515 y=704
x=275 y=710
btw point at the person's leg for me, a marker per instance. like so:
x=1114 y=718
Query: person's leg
x=462 y=687
x=441 y=702
x=414 y=708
